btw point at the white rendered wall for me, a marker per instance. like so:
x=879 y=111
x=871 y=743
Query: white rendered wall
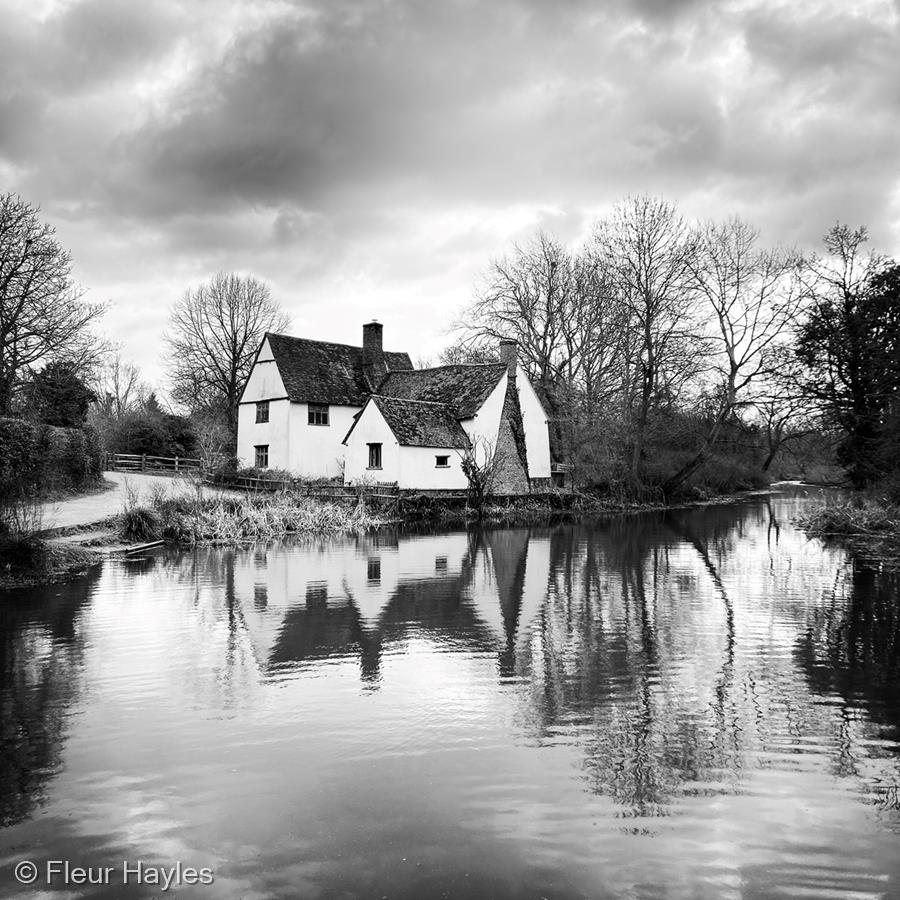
x=264 y=382
x=410 y=467
x=371 y=429
x=418 y=470
x=537 y=431
x=275 y=433
x=317 y=451
x=483 y=428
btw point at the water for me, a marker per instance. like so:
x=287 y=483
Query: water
x=691 y=705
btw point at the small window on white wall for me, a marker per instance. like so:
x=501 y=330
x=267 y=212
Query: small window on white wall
x=262 y=456
x=262 y=411
x=318 y=414
x=442 y=462
x=374 y=456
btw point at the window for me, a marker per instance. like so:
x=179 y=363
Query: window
x=318 y=413
x=440 y=564
x=442 y=462
x=373 y=570
x=374 y=456
x=262 y=411
x=262 y=456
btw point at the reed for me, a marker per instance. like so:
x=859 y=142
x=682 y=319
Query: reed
x=858 y=517
x=201 y=519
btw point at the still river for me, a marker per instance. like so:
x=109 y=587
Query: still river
x=698 y=704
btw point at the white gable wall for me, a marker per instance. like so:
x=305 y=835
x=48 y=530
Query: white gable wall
x=414 y=468
x=312 y=451
x=264 y=382
x=371 y=428
x=484 y=426
x=537 y=431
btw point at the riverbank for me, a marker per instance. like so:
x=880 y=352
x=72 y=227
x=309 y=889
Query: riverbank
x=43 y=562
x=202 y=518
x=870 y=526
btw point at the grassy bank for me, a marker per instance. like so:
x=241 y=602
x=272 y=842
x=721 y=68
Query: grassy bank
x=870 y=526
x=34 y=561
x=201 y=519
x=856 y=518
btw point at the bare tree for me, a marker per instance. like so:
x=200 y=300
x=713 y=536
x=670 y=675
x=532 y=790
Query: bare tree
x=523 y=297
x=119 y=387
x=650 y=251
x=214 y=332
x=42 y=316
x=750 y=297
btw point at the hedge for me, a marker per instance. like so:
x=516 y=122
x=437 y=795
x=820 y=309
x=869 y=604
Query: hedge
x=35 y=458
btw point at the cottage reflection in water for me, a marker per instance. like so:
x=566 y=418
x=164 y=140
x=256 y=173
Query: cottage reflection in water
x=462 y=590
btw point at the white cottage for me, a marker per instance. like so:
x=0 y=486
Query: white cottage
x=301 y=399
x=417 y=427
x=320 y=409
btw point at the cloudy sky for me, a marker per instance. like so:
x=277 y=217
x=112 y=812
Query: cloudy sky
x=367 y=159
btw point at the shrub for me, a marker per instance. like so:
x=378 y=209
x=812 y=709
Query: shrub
x=21 y=548
x=42 y=457
x=139 y=522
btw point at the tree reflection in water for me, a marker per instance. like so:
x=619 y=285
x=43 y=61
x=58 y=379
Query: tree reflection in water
x=41 y=653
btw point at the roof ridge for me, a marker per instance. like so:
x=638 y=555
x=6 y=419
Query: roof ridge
x=452 y=366
x=407 y=400
x=292 y=337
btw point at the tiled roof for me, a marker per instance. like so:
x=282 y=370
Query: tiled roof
x=420 y=424
x=321 y=372
x=464 y=388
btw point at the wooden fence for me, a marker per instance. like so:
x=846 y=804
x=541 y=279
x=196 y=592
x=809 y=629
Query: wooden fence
x=141 y=462
x=318 y=490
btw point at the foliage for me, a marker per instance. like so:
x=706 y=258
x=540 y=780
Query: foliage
x=42 y=316
x=36 y=458
x=850 y=346
x=57 y=396
x=146 y=428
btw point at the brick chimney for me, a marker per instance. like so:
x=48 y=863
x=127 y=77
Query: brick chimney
x=509 y=351
x=374 y=367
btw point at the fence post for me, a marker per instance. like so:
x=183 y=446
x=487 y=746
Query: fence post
x=143 y=462
x=176 y=463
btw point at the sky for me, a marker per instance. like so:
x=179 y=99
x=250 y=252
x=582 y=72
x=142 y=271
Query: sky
x=369 y=159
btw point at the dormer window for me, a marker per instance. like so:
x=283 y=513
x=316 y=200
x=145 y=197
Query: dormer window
x=262 y=411
x=318 y=414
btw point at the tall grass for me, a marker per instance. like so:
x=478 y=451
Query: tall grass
x=866 y=516
x=21 y=520
x=201 y=519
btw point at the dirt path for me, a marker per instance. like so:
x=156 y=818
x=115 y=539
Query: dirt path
x=96 y=507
